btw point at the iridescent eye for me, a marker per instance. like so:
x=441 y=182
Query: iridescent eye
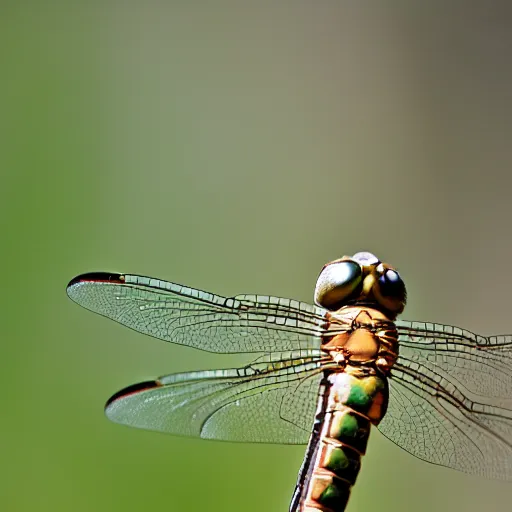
x=391 y=284
x=337 y=282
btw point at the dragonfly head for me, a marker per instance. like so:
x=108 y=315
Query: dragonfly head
x=361 y=280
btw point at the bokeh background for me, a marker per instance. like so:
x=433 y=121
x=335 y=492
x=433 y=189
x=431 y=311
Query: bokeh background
x=236 y=147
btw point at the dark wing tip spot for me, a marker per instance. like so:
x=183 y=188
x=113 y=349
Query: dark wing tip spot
x=132 y=390
x=95 y=277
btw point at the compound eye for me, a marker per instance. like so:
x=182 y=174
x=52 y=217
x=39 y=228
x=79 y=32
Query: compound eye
x=391 y=284
x=337 y=282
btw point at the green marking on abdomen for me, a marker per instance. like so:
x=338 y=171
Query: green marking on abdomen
x=343 y=461
x=354 y=403
x=335 y=496
x=350 y=428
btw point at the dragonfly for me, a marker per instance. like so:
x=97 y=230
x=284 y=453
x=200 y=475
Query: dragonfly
x=322 y=376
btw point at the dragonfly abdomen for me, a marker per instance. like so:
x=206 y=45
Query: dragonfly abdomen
x=354 y=402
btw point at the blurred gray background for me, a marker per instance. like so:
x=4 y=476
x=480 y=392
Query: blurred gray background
x=236 y=147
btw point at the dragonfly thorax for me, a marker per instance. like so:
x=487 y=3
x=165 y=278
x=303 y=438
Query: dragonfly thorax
x=365 y=337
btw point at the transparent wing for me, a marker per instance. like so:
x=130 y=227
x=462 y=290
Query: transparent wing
x=266 y=402
x=451 y=398
x=171 y=312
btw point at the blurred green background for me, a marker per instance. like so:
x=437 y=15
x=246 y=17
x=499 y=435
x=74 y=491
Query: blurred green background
x=236 y=147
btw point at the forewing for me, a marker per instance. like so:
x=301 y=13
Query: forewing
x=183 y=315
x=451 y=398
x=265 y=402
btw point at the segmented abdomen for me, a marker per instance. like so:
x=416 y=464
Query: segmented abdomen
x=350 y=402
